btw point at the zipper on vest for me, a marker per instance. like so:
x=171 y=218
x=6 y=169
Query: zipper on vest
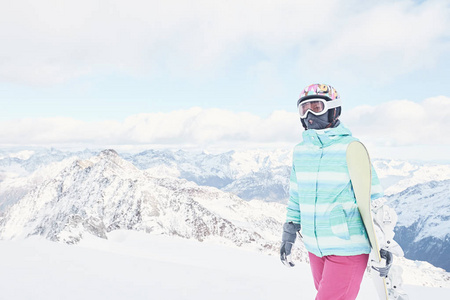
x=315 y=203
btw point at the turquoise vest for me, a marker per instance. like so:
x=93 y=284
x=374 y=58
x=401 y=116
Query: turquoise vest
x=321 y=195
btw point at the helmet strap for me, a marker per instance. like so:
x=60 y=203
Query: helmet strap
x=303 y=123
x=333 y=116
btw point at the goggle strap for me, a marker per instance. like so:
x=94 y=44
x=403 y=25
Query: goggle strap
x=334 y=103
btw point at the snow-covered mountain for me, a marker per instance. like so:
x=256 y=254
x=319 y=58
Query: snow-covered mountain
x=258 y=174
x=396 y=176
x=423 y=227
x=264 y=174
x=107 y=193
x=13 y=188
x=252 y=174
x=20 y=162
x=420 y=195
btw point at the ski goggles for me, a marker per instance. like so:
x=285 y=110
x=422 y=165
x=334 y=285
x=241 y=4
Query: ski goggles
x=317 y=106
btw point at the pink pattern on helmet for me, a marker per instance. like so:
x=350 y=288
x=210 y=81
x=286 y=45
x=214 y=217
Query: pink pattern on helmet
x=320 y=89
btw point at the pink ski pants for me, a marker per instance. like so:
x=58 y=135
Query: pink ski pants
x=338 y=277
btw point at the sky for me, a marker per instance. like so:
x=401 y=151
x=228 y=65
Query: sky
x=222 y=74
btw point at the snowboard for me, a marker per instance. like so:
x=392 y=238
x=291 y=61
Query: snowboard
x=360 y=170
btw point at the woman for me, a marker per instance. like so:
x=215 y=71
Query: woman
x=322 y=203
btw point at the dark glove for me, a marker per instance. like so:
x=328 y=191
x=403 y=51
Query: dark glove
x=288 y=239
x=384 y=271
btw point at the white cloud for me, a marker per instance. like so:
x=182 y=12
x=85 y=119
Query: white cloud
x=403 y=122
x=399 y=124
x=197 y=127
x=48 y=42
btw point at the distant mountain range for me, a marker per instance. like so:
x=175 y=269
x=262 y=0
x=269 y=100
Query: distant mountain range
x=65 y=183
x=250 y=175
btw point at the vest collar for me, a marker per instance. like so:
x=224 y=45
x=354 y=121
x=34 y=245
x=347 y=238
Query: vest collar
x=325 y=137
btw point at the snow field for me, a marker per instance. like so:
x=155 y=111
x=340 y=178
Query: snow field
x=135 y=265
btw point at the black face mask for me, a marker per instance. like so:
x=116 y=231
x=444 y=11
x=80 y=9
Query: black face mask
x=316 y=122
x=319 y=122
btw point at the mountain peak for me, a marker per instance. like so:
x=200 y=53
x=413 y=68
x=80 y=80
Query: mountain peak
x=109 y=152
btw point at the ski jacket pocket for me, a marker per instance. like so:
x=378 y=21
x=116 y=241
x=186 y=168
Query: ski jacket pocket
x=338 y=222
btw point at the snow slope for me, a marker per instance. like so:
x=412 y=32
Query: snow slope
x=135 y=265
